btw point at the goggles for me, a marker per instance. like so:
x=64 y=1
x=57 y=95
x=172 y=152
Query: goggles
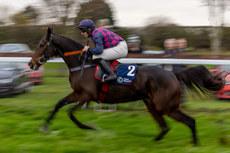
x=84 y=30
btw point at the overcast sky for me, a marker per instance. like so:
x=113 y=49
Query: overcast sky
x=137 y=12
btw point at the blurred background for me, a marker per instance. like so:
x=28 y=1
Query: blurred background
x=203 y=23
x=198 y=27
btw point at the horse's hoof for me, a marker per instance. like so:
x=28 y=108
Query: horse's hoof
x=157 y=138
x=44 y=129
x=160 y=136
x=88 y=127
x=94 y=127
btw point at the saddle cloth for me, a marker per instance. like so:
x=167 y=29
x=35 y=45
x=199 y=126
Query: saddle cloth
x=125 y=72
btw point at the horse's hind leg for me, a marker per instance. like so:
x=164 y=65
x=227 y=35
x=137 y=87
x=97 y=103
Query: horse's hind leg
x=60 y=104
x=158 y=116
x=74 y=119
x=189 y=121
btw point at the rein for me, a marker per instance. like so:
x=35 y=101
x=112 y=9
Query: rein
x=44 y=58
x=74 y=53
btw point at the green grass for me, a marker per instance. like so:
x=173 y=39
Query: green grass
x=128 y=130
x=56 y=70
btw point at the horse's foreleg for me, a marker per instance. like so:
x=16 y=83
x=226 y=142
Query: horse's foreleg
x=74 y=119
x=60 y=104
x=158 y=116
x=189 y=121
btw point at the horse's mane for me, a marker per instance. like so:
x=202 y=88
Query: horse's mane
x=70 y=41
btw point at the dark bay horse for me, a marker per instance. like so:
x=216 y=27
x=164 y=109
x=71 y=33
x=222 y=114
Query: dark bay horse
x=160 y=90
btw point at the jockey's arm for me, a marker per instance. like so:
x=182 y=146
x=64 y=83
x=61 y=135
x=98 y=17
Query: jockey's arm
x=98 y=41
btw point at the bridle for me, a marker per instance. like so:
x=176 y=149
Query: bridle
x=41 y=60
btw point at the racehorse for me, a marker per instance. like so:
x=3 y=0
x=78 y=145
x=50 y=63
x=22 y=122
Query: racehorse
x=159 y=89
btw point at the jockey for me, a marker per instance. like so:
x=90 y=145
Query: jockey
x=108 y=46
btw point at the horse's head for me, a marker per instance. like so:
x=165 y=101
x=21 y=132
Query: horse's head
x=44 y=51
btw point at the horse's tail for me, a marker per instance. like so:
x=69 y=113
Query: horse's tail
x=201 y=78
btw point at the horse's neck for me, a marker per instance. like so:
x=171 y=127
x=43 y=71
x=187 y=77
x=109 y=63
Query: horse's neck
x=64 y=46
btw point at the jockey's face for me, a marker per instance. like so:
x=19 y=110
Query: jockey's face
x=84 y=33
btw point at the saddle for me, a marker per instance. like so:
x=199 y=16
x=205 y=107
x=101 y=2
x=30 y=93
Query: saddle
x=125 y=72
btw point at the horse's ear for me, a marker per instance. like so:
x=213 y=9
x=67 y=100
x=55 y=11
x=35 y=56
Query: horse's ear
x=49 y=32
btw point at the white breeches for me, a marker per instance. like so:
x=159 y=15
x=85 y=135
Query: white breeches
x=119 y=51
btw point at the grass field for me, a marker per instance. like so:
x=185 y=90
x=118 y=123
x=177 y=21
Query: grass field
x=128 y=130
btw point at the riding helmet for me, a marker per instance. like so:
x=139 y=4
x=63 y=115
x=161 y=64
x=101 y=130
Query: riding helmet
x=86 y=24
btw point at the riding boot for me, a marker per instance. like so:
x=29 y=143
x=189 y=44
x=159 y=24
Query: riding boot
x=111 y=75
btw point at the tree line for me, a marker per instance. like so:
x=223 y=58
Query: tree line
x=151 y=36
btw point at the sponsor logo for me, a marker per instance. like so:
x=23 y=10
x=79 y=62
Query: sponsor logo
x=120 y=79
